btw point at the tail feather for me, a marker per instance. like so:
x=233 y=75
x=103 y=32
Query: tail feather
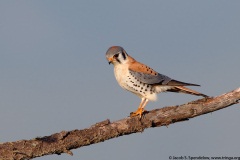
x=186 y=90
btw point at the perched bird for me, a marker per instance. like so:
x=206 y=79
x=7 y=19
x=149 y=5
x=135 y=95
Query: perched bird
x=142 y=80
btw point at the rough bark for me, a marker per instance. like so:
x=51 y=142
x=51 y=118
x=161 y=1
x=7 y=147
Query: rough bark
x=64 y=141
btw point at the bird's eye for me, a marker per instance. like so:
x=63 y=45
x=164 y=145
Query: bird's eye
x=116 y=55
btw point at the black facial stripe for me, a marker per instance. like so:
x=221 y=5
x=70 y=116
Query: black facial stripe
x=124 y=56
x=118 y=60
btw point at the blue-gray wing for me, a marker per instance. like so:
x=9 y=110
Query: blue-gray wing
x=150 y=79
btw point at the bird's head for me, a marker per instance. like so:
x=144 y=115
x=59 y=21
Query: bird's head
x=116 y=55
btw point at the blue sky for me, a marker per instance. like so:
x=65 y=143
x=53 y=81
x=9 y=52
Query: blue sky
x=54 y=75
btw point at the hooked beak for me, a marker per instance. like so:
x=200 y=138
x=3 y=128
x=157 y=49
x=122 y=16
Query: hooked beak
x=110 y=60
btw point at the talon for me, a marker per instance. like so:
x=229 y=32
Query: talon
x=139 y=112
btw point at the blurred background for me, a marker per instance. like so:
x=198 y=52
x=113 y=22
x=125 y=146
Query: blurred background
x=54 y=75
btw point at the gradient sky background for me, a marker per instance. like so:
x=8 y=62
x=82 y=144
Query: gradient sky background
x=54 y=75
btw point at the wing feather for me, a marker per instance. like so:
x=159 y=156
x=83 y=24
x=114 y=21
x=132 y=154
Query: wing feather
x=150 y=79
x=147 y=75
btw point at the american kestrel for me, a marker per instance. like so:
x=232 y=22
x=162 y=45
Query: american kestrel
x=142 y=80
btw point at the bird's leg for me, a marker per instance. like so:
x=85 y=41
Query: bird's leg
x=144 y=104
x=140 y=109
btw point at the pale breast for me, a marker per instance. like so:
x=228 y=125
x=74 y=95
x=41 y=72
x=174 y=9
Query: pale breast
x=121 y=72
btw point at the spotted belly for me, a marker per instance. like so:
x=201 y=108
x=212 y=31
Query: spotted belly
x=132 y=84
x=140 y=89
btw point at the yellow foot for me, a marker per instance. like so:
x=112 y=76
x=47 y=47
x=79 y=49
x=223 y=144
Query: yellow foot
x=139 y=112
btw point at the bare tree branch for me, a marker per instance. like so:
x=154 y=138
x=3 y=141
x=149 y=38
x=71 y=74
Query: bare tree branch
x=64 y=141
